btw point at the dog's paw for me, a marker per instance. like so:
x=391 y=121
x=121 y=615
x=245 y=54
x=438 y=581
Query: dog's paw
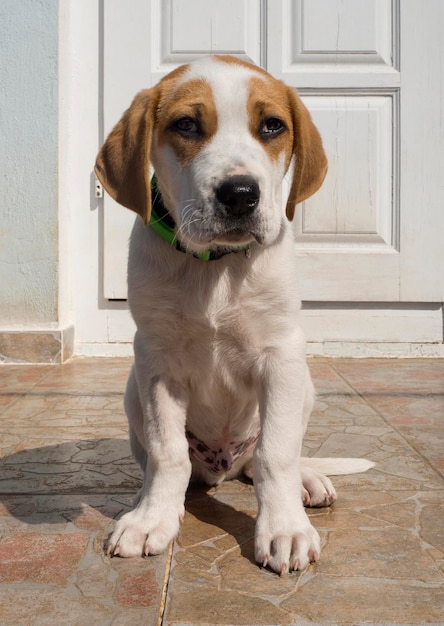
x=140 y=533
x=317 y=489
x=285 y=550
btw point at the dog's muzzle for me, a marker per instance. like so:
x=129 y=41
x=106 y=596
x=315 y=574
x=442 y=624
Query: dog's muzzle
x=237 y=200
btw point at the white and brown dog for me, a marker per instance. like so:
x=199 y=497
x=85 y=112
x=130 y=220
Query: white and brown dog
x=220 y=382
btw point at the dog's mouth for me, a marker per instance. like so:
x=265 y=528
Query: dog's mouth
x=236 y=237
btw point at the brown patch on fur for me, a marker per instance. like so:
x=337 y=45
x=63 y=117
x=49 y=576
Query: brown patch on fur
x=193 y=99
x=267 y=99
x=272 y=98
x=122 y=165
x=311 y=162
x=231 y=60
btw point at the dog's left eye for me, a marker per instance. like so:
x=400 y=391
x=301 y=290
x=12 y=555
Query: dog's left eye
x=186 y=125
x=272 y=126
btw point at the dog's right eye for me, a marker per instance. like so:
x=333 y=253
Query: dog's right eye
x=186 y=125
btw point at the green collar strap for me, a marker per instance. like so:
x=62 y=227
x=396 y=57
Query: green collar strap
x=163 y=224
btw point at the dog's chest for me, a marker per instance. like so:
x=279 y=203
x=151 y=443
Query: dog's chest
x=208 y=324
x=205 y=332
x=214 y=339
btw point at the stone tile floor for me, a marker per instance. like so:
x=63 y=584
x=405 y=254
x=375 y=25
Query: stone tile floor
x=66 y=473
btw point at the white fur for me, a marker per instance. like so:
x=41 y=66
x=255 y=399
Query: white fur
x=338 y=467
x=218 y=349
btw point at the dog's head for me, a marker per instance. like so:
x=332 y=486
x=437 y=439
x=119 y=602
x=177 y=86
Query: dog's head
x=220 y=134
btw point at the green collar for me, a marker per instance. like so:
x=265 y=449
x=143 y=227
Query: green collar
x=163 y=224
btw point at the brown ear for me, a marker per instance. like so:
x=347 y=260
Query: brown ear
x=122 y=165
x=311 y=163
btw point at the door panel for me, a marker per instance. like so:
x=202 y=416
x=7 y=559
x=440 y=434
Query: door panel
x=334 y=43
x=354 y=205
x=358 y=30
x=202 y=27
x=347 y=233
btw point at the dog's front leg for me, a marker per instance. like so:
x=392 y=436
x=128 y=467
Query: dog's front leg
x=155 y=520
x=285 y=538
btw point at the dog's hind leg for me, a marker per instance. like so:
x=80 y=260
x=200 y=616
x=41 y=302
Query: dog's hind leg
x=317 y=489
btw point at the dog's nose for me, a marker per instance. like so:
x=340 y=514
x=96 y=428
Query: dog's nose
x=239 y=195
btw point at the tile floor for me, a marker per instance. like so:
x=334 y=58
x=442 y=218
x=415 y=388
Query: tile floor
x=66 y=473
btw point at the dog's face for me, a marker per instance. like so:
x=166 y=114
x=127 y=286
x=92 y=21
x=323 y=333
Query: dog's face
x=221 y=135
x=221 y=148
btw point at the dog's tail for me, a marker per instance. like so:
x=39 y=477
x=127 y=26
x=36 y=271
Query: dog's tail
x=336 y=467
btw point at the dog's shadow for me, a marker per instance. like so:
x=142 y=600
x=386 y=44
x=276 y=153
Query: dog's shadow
x=63 y=482
x=210 y=518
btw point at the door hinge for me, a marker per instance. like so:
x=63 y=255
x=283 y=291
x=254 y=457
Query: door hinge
x=98 y=189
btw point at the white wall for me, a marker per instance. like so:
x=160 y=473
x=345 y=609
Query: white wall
x=28 y=163
x=51 y=224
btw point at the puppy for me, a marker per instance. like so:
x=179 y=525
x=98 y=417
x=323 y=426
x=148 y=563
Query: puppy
x=220 y=382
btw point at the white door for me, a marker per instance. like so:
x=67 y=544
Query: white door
x=370 y=73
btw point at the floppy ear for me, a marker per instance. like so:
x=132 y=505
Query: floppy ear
x=122 y=165
x=311 y=163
